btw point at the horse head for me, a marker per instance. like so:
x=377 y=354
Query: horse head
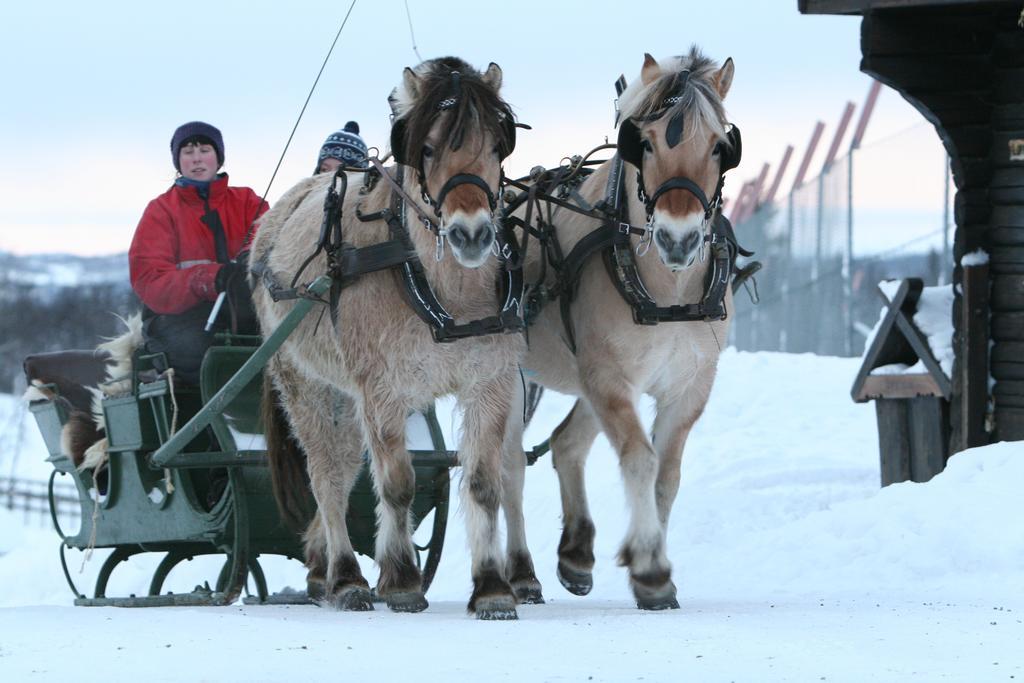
x=673 y=129
x=453 y=128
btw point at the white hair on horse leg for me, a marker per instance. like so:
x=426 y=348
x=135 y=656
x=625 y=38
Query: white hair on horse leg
x=483 y=533
x=645 y=537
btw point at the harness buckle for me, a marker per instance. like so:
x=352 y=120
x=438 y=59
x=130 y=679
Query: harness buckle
x=439 y=247
x=646 y=238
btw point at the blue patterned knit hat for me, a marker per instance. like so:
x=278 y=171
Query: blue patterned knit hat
x=346 y=146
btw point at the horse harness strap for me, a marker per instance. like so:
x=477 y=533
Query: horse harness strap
x=612 y=240
x=421 y=298
x=347 y=263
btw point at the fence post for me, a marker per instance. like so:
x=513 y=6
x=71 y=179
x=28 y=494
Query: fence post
x=947 y=258
x=786 y=315
x=848 y=260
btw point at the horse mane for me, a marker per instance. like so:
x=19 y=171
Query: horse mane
x=478 y=105
x=701 y=106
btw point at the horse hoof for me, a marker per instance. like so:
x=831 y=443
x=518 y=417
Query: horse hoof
x=577 y=583
x=352 y=600
x=651 y=598
x=496 y=608
x=668 y=602
x=529 y=594
x=315 y=591
x=406 y=601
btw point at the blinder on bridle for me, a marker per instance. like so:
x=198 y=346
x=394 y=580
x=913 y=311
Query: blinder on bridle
x=630 y=147
x=506 y=145
x=398 y=147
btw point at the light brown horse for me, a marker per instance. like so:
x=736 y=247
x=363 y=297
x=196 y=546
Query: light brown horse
x=678 y=128
x=351 y=385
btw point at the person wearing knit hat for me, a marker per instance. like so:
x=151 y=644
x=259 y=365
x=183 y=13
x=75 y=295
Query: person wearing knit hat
x=196 y=133
x=190 y=248
x=342 y=148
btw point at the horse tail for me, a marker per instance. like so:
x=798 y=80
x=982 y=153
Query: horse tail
x=285 y=460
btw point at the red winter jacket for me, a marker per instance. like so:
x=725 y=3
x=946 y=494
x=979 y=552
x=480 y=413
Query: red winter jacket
x=172 y=260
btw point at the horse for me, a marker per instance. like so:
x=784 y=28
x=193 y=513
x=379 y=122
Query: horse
x=347 y=383
x=674 y=135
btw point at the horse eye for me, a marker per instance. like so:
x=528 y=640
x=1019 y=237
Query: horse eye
x=428 y=151
x=497 y=149
x=645 y=145
x=717 y=151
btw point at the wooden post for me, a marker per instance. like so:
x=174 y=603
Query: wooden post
x=972 y=349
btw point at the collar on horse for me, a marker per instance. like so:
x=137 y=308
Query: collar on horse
x=612 y=240
x=347 y=263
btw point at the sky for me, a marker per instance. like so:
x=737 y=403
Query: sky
x=93 y=91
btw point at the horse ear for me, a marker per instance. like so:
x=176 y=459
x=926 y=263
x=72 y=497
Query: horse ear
x=411 y=82
x=723 y=79
x=492 y=77
x=650 y=71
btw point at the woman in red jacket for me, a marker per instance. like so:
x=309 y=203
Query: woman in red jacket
x=189 y=247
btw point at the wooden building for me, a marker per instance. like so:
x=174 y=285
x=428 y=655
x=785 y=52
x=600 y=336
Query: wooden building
x=961 y=64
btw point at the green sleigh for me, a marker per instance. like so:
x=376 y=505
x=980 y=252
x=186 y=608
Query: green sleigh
x=180 y=483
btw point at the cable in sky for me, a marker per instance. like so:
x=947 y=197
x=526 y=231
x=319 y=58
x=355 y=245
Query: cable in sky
x=305 y=104
x=411 y=34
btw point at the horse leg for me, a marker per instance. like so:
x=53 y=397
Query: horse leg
x=400 y=583
x=486 y=412
x=672 y=425
x=643 y=550
x=518 y=562
x=570 y=446
x=315 y=560
x=324 y=423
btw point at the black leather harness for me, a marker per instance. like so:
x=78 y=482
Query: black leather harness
x=612 y=241
x=347 y=263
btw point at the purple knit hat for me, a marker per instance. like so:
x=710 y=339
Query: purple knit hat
x=196 y=129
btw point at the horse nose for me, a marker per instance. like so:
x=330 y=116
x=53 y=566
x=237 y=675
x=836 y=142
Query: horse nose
x=677 y=252
x=479 y=240
x=691 y=241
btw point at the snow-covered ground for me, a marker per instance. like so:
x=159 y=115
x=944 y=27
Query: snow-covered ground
x=791 y=564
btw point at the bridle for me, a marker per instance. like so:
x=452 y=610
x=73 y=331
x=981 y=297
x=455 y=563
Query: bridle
x=612 y=238
x=398 y=152
x=630 y=147
x=346 y=263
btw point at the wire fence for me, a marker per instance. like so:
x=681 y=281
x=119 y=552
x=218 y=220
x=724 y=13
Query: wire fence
x=827 y=245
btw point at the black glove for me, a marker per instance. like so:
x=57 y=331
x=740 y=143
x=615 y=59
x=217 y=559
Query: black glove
x=228 y=274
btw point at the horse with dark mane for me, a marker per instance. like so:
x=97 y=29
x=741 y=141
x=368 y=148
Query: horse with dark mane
x=673 y=149
x=348 y=381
